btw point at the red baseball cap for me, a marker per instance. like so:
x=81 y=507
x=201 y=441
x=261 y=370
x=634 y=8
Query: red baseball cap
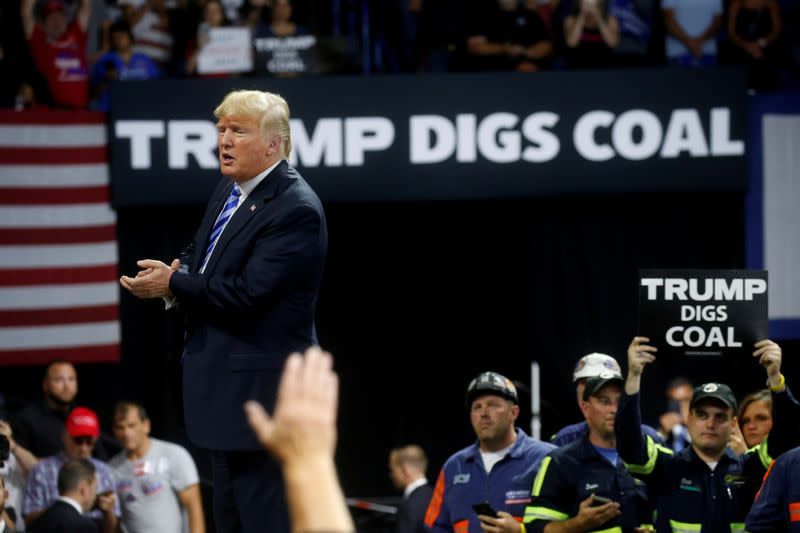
x=82 y=422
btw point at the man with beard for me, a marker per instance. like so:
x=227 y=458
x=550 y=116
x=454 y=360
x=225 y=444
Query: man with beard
x=498 y=469
x=705 y=486
x=584 y=485
x=38 y=427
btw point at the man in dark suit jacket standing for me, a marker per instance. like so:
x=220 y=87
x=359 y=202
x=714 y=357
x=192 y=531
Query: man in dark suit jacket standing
x=248 y=284
x=407 y=466
x=77 y=492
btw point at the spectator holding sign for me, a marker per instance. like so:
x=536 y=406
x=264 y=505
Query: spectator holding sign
x=284 y=48
x=213 y=17
x=705 y=487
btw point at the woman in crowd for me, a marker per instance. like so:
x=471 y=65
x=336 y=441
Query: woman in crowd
x=755 y=417
x=591 y=34
x=754 y=27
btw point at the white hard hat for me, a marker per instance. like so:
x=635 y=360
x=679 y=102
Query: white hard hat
x=594 y=364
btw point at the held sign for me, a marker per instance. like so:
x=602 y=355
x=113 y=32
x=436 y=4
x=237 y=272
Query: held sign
x=703 y=312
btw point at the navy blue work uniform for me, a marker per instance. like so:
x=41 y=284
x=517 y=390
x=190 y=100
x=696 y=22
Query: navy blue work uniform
x=777 y=506
x=570 y=474
x=689 y=496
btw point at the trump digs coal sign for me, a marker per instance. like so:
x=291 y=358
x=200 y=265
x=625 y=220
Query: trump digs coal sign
x=703 y=312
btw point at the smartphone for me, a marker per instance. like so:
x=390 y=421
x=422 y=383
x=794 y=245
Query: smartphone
x=485 y=509
x=599 y=500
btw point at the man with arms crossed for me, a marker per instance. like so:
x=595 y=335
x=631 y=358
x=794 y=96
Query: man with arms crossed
x=155 y=480
x=248 y=284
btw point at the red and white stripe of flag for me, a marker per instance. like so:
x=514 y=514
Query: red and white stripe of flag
x=59 y=297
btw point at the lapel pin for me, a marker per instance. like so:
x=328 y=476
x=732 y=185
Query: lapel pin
x=252 y=208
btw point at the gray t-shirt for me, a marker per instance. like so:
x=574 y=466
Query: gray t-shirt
x=147 y=488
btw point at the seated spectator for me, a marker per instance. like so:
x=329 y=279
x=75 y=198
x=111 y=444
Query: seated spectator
x=156 y=480
x=79 y=437
x=301 y=434
x=282 y=47
x=692 y=27
x=77 y=493
x=754 y=27
x=120 y=63
x=508 y=36
x=58 y=48
x=591 y=34
x=755 y=417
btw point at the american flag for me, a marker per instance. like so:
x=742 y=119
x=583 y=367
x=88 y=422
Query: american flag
x=59 y=298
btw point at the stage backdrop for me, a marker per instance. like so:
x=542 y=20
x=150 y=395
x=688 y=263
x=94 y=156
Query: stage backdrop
x=449 y=137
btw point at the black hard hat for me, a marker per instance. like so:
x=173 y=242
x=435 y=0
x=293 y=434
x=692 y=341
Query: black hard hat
x=491 y=383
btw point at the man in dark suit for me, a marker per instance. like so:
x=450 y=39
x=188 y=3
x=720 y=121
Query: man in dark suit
x=248 y=284
x=77 y=490
x=407 y=466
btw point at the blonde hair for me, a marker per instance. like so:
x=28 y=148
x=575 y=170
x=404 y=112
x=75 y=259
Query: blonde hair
x=270 y=109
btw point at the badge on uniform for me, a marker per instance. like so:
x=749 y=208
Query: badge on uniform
x=458 y=479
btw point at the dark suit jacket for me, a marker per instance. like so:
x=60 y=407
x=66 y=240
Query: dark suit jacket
x=252 y=306
x=61 y=517
x=411 y=513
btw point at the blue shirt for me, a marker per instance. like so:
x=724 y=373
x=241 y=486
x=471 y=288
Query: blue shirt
x=463 y=481
x=140 y=67
x=777 y=506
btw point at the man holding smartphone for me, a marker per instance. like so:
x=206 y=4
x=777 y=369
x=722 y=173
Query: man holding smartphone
x=585 y=486
x=486 y=486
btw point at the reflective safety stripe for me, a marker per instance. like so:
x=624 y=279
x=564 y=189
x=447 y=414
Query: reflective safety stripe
x=647 y=527
x=763 y=452
x=683 y=527
x=653 y=450
x=461 y=526
x=537 y=483
x=543 y=513
x=612 y=530
x=737 y=527
x=794 y=512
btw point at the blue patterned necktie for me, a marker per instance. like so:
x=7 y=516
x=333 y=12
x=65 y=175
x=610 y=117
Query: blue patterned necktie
x=222 y=220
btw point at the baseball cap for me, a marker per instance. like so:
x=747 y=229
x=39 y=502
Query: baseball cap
x=491 y=383
x=594 y=364
x=82 y=422
x=716 y=391
x=595 y=383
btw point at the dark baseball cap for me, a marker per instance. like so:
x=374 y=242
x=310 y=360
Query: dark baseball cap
x=595 y=383
x=491 y=383
x=715 y=391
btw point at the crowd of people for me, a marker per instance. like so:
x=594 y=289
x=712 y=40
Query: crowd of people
x=69 y=51
x=607 y=473
x=701 y=470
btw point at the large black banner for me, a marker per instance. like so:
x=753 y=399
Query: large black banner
x=703 y=312
x=455 y=136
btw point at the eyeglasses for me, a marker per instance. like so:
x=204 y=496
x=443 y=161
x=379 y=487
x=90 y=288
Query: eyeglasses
x=80 y=441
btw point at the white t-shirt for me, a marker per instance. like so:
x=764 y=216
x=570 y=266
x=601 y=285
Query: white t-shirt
x=492 y=458
x=148 y=488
